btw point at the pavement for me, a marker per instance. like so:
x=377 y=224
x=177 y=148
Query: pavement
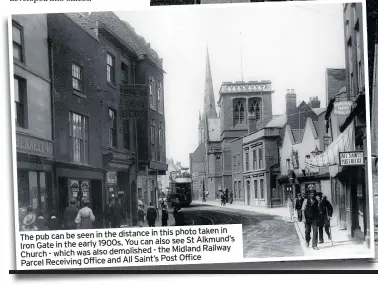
x=343 y=246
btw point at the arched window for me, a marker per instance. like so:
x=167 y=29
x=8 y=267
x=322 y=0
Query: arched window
x=239 y=116
x=255 y=109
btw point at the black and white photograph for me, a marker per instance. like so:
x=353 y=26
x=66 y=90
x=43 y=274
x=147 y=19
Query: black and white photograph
x=214 y=115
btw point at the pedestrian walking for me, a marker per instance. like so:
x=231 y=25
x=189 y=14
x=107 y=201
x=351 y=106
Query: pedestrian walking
x=325 y=214
x=231 y=197
x=179 y=217
x=311 y=214
x=164 y=216
x=290 y=206
x=41 y=223
x=69 y=215
x=226 y=196
x=141 y=215
x=298 y=206
x=151 y=215
x=85 y=217
x=140 y=202
x=223 y=199
x=116 y=214
x=53 y=222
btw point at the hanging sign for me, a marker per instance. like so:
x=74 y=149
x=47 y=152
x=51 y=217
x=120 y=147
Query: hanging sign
x=342 y=108
x=351 y=158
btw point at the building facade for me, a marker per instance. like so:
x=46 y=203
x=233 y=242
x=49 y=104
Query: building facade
x=77 y=75
x=251 y=105
x=346 y=125
x=33 y=113
x=261 y=168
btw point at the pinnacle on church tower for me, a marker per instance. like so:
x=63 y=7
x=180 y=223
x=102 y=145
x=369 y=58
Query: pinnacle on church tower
x=209 y=109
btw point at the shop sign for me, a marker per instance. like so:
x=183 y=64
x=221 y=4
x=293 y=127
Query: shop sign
x=134 y=102
x=351 y=158
x=342 y=108
x=32 y=145
x=111 y=177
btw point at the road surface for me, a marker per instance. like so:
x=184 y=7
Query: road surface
x=263 y=235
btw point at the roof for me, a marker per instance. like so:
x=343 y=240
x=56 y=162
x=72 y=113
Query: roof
x=297 y=135
x=318 y=111
x=278 y=121
x=198 y=156
x=214 y=129
x=126 y=33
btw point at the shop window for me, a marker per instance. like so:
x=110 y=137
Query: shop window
x=240 y=189
x=255 y=189
x=239 y=115
x=20 y=98
x=79 y=138
x=112 y=128
x=110 y=70
x=18 y=42
x=32 y=190
x=262 y=196
x=235 y=189
x=77 y=77
x=125 y=73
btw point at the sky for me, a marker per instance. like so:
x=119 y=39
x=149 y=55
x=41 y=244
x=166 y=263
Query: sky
x=290 y=45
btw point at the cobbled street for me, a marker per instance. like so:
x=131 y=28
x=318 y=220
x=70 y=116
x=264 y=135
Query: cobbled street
x=263 y=235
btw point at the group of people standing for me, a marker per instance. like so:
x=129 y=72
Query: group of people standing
x=226 y=197
x=316 y=212
x=73 y=218
x=151 y=215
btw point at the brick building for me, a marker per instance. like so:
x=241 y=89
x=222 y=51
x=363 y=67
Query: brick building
x=104 y=144
x=78 y=73
x=33 y=113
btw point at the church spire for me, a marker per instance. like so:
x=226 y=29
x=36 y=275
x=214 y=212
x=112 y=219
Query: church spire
x=209 y=109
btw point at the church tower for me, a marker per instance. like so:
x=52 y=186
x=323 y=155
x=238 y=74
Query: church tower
x=209 y=108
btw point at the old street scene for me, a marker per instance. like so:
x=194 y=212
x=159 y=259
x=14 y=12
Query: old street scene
x=198 y=117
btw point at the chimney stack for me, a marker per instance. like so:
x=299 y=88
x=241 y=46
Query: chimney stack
x=314 y=102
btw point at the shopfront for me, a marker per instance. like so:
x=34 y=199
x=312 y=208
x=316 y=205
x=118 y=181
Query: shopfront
x=77 y=183
x=35 y=174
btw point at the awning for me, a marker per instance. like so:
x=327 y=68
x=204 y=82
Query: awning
x=344 y=142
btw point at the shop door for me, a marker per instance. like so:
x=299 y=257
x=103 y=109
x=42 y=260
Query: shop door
x=63 y=195
x=288 y=192
x=248 y=192
x=96 y=193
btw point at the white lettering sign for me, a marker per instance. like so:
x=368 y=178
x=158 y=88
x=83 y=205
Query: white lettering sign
x=351 y=158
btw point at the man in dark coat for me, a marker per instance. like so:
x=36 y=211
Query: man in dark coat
x=179 y=217
x=325 y=214
x=151 y=215
x=298 y=206
x=231 y=197
x=164 y=216
x=226 y=196
x=311 y=213
x=69 y=216
x=116 y=214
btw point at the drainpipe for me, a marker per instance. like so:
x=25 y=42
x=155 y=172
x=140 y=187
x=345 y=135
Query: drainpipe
x=53 y=129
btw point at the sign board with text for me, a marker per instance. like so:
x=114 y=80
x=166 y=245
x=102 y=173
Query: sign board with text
x=134 y=102
x=342 y=108
x=351 y=158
